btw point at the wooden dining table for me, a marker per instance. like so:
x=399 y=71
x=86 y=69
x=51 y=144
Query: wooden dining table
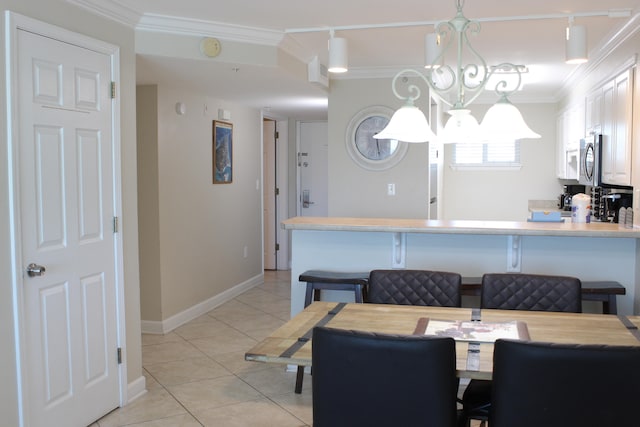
x=291 y=343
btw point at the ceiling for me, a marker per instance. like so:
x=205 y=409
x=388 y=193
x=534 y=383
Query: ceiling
x=518 y=31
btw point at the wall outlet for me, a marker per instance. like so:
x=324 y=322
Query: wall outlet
x=391 y=189
x=245 y=252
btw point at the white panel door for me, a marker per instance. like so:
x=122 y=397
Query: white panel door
x=313 y=169
x=67 y=206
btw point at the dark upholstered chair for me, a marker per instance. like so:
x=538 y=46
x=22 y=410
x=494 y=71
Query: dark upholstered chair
x=518 y=291
x=369 y=379
x=553 y=385
x=414 y=287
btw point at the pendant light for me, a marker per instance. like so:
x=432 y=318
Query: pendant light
x=463 y=82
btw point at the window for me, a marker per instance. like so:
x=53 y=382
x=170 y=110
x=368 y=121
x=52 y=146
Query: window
x=489 y=155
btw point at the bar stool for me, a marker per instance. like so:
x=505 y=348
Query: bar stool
x=318 y=280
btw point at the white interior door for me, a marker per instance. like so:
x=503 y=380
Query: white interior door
x=66 y=193
x=269 y=193
x=313 y=169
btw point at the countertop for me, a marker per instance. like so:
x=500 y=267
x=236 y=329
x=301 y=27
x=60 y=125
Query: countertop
x=395 y=225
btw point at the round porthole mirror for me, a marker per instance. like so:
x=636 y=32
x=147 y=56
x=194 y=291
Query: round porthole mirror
x=367 y=151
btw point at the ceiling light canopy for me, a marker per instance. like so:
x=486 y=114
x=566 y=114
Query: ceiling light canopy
x=457 y=86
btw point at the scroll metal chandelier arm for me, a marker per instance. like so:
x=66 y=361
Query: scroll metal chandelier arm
x=466 y=82
x=413 y=91
x=457 y=86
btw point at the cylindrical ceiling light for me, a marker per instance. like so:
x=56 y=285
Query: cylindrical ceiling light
x=576 y=48
x=432 y=51
x=338 y=55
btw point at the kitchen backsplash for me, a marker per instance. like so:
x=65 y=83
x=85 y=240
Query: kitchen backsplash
x=543 y=205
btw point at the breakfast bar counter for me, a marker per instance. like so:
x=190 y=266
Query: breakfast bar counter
x=390 y=225
x=592 y=252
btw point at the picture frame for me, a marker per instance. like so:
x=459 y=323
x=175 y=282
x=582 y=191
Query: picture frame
x=222 y=146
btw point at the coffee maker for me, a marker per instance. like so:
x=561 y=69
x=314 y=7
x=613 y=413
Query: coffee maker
x=564 y=200
x=607 y=202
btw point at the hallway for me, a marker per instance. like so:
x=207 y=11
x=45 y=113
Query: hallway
x=196 y=375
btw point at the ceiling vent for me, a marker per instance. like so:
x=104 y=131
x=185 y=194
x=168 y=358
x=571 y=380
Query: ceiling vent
x=318 y=73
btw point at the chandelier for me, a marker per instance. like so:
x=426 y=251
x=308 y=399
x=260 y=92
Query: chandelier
x=458 y=86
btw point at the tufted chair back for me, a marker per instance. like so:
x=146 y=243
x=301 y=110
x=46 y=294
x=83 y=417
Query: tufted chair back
x=560 y=385
x=414 y=287
x=518 y=291
x=371 y=379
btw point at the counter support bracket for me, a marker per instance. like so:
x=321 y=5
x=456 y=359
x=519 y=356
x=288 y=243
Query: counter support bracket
x=399 y=250
x=514 y=253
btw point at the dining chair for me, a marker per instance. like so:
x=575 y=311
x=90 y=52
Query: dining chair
x=518 y=291
x=564 y=385
x=372 y=379
x=414 y=287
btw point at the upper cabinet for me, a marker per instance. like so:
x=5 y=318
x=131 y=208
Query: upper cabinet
x=593 y=112
x=614 y=118
x=570 y=129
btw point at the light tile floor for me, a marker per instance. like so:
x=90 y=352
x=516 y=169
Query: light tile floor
x=196 y=375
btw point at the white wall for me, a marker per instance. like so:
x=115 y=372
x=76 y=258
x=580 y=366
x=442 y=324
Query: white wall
x=202 y=228
x=64 y=15
x=504 y=195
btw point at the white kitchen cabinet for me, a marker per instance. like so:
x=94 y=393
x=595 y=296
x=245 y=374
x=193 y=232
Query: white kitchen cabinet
x=570 y=129
x=593 y=112
x=635 y=154
x=617 y=100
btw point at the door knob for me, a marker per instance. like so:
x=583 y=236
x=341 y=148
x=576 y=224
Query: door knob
x=34 y=270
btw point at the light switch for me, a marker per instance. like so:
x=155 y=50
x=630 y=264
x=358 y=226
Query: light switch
x=391 y=189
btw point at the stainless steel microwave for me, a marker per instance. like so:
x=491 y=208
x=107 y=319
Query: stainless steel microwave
x=590 y=160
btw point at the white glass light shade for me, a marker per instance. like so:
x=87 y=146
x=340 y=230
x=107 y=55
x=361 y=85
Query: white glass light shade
x=338 y=55
x=461 y=127
x=576 y=47
x=432 y=50
x=504 y=122
x=407 y=124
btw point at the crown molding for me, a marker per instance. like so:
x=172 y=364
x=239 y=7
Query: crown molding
x=600 y=54
x=295 y=49
x=198 y=27
x=116 y=11
x=110 y=9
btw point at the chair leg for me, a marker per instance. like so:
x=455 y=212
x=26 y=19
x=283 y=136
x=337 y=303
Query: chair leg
x=299 y=379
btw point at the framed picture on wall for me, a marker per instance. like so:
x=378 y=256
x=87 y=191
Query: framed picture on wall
x=222 y=152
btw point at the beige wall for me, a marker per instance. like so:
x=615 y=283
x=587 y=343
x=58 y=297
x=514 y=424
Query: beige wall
x=354 y=191
x=64 y=15
x=148 y=202
x=494 y=195
x=192 y=232
x=504 y=195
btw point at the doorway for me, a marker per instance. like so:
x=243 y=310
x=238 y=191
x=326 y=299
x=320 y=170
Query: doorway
x=270 y=192
x=274 y=192
x=313 y=169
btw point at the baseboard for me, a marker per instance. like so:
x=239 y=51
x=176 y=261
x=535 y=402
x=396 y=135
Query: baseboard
x=168 y=325
x=136 y=388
